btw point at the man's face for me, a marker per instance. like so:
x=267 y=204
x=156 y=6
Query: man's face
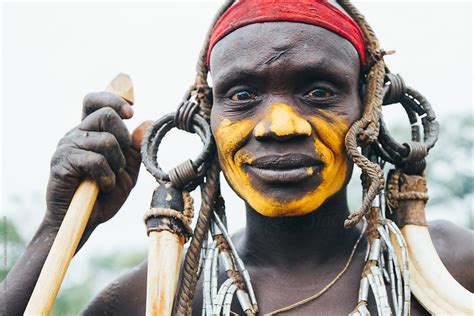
x=285 y=94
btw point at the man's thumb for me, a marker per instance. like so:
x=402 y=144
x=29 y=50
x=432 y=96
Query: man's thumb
x=138 y=133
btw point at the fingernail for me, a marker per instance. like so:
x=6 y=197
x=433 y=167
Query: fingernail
x=126 y=111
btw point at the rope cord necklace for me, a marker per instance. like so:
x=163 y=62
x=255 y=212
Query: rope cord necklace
x=328 y=286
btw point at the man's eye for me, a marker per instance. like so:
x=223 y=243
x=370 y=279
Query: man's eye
x=243 y=96
x=320 y=93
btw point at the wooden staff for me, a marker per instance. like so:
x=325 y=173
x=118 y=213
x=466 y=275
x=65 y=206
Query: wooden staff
x=72 y=227
x=165 y=225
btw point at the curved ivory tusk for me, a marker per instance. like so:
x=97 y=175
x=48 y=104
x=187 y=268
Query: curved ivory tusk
x=431 y=283
x=164 y=258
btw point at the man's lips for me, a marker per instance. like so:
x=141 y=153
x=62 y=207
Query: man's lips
x=285 y=168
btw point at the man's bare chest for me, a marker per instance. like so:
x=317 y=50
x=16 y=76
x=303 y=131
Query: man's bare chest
x=275 y=291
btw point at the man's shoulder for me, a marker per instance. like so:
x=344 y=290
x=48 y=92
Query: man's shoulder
x=451 y=238
x=455 y=247
x=124 y=296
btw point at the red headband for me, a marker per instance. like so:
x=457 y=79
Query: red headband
x=315 y=12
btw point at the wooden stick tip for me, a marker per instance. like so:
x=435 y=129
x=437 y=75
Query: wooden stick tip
x=122 y=86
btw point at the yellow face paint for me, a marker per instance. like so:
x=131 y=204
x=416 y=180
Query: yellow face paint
x=327 y=132
x=283 y=121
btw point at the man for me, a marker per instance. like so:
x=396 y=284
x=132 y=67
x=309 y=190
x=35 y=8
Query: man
x=285 y=94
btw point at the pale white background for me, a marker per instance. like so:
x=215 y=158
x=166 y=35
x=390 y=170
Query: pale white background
x=54 y=53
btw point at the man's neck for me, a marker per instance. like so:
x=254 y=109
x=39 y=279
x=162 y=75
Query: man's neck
x=286 y=241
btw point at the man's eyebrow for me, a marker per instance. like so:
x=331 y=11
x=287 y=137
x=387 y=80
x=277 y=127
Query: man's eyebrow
x=333 y=70
x=319 y=68
x=324 y=64
x=235 y=74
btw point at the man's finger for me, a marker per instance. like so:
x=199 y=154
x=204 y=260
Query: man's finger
x=102 y=143
x=107 y=120
x=78 y=163
x=97 y=100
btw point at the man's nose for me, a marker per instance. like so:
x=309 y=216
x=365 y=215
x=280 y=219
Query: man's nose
x=281 y=122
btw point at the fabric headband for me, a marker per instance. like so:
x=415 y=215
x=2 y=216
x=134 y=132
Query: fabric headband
x=315 y=12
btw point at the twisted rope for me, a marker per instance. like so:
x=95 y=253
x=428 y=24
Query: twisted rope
x=366 y=130
x=185 y=219
x=201 y=84
x=393 y=195
x=201 y=67
x=370 y=169
x=191 y=262
x=209 y=189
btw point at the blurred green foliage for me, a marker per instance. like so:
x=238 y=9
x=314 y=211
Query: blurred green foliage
x=12 y=245
x=73 y=297
x=450 y=169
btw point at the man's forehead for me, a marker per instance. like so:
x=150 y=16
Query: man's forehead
x=319 y=13
x=295 y=44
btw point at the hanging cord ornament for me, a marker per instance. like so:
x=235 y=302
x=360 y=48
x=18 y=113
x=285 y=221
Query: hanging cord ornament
x=209 y=187
x=365 y=131
x=409 y=157
x=387 y=257
x=223 y=250
x=406 y=196
x=188 y=174
x=381 y=264
x=169 y=219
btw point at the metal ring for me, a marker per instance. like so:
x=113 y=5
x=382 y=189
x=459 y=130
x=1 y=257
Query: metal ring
x=183 y=118
x=393 y=92
x=415 y=105
x=152 y=140
x=416 y=151
x=182 y=174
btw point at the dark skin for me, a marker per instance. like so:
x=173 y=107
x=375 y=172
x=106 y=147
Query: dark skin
x=289 y=258
x=100 y=147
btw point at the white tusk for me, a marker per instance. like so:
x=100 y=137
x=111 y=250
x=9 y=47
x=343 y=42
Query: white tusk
x=433 y=286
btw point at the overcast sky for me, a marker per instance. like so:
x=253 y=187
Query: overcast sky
x=55 y=53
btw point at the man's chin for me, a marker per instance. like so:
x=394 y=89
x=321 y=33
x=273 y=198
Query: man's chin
x=284 y=209
x=278 y=214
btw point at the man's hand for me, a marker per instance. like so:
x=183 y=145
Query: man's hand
x=101 y=148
